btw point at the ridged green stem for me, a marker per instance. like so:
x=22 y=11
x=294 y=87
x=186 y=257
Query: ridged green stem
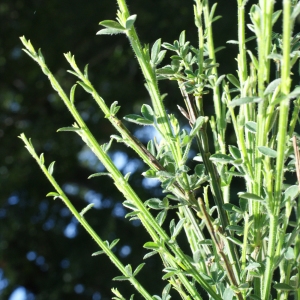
x=153 y=228
x=281 y=146
x=83 y=222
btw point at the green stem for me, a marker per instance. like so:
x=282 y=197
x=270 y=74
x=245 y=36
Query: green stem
x=152 y=86
x=281 y=147
x=154 y=229
x=84 y=223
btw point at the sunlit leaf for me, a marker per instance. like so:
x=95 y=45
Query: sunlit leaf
x=267 y=151
x=130 y=21
x=250 y=196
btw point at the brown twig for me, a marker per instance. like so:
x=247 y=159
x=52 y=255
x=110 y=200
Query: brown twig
x=297 y=158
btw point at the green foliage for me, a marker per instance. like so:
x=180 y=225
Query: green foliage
x=235 y=247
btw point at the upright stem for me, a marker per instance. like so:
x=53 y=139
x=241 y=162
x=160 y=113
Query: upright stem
x=281 y=147
x=151 y=82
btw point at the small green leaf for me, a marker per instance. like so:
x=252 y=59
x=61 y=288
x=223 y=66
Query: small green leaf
x=120 y=278
x=127 y=175
x=109 y=31
x=114 y=108
x=220 y=79
x=272 y=86
x=87 y=208
x=169 y=46
x=130 y=21
x=51 y=168
x=294 y=93
x=182 y=38
x=132 y=215
x=205 y=242
x=154 y=203
x=291 y=192
x=235 y=241
x=235 y=228
x=295 y=12
x=138 y=269
x=99 y=174
x=232 y=208
x=244 y=100
x=149 y=254
x=169 y=274
x=251 y=126
x=200 y=170
x=151 y=246
x=167 y=70
x=114 y=243
x=252 y=266
x=87 y=88
x=130 y=205
x=283 y=287
x=86 y=72
x=137 y=119
x=289 y=254
x=72 y=93
x=276 y=15
x=147 y=112
x=106 y=146
x=172 y=226
x=155 y=51
x=117 y=138
x=98 y=253
x=69 y=129
x=232 y=42
x=228 y=294
x=197 y=125
x=267 y=151
x=161 y=216
x=128 y=269
x=42 y=159
x=111 y=24
x=160 y=57
x=149 y=174
x=53 y=194
x=221 y=158
x=250 y=196
x=166 y=292
x=253 y=59
x=235 y=152
x=178 y=228
x=151 y=148
x=233 y=80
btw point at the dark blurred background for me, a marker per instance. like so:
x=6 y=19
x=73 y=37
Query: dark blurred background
x=44 y=253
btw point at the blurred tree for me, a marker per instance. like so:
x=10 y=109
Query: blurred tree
x=41 y=246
